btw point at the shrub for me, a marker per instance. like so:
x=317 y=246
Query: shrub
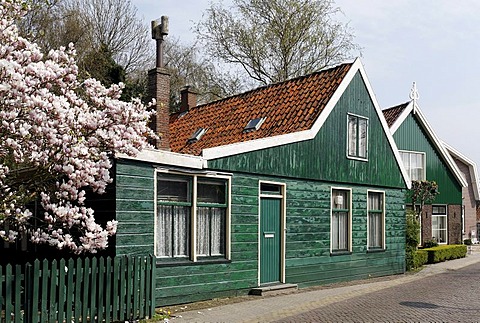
x=430 y=243
x=442 y=253
x=412 y=239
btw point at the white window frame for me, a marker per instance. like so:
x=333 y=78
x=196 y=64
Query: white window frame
x=349 y=233
x=383 y=246
x=409 y=169
x=193 y=214
x=357 y=140
x=443 y=216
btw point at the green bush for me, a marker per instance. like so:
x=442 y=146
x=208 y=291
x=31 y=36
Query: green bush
x=412 y=239
x=420 y=258
x=430 y=243
x=448 y=252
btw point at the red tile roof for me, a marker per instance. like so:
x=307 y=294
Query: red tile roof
x=392 y=114
x=288 y=107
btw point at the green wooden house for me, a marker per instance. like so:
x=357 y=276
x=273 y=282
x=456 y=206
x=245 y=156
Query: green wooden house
x=297 y=183
x=426 y=158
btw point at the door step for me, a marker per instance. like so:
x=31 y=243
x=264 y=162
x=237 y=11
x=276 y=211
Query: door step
x=273 y=289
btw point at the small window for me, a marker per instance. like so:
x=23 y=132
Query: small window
x=439 y=223
x=270 y=189
x=254 y=124
x=414 y=163
x=173 y=189
x=375 y=220
x=357 y=137
x=340 y=223
x=197 y=135
x=211 y=192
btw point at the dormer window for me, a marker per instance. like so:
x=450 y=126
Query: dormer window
x=197 y=135
x=254 y=124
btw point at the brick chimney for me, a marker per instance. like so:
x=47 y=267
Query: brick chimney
x=159 y=87
x=188 y=97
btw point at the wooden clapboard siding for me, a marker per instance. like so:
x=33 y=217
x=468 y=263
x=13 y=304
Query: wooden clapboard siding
x=324 y=157
x=134 y=183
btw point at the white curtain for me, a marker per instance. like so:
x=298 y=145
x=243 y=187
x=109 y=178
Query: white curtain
x=210 y=231
x=362 y=141
x=375 y=230
x=173 y=223
x=340 y=231
x=352 y=136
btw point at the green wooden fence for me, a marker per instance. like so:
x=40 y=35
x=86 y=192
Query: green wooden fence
x=99 y=289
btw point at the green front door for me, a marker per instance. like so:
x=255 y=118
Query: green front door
x=270 y=240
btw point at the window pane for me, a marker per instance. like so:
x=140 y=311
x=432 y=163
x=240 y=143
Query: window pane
x=375 y=230
x=210 y=231
x=173 y=189
x=172 y=234
x=211 y=191
x=352 y=135
x=340 y=231
x=362 y=142
x=375 y=201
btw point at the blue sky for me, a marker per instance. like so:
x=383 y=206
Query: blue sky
x=431 y=42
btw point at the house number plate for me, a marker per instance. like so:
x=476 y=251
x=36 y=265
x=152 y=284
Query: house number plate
x=269 y=235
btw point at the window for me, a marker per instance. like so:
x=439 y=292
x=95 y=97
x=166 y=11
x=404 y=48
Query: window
x=340 y=236
x=414 y=163
x=439 y=223
x=254 y=124
x=376 y=218
x=357 y=136
x=176 y=212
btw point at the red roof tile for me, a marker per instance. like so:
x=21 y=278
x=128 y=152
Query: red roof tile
x=287 y=107
x=392 y=114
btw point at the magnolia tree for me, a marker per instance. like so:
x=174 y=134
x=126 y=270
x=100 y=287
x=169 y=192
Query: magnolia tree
x=58 y=136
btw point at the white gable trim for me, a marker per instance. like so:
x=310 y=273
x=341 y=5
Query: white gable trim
x=258 y=144
x=472 y=167
x=413 y=106
x=166 y=157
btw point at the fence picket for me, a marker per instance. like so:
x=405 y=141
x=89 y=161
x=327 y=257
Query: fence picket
x=108 y=289
x=69 y=290
x=8 y=293
x=85 y=289
x=35 y=283
x=61 y=290
x=89 y=290
x=17 y=303
x=78 y=289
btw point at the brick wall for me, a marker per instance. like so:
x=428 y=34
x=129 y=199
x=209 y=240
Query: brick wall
x=159 y=88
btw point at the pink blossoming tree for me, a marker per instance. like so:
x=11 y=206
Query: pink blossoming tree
x=58 y=135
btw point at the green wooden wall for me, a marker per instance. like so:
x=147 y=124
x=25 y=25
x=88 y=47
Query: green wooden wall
x=307 y=247
x=324 y=157
x=411 y=136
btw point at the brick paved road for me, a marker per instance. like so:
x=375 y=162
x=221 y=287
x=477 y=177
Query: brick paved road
x=453 y=296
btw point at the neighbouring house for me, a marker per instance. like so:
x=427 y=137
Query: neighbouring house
x=294 y=183
x=426 y=158
x=470 y=194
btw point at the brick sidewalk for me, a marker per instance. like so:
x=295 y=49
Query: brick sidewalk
x=274 y=308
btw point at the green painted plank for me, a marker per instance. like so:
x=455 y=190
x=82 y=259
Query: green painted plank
x=142 y=295
x=117 y=298
x=44 y=289
x=123 y=289
x=86 y=289
x=70 y=290
x=78 y=289
x=9 y=278
x=136 y=289
x=17 y=297
x=93 y=309
x=129 y=286
x=62 y=289
x=101 y=308
x=108 y=290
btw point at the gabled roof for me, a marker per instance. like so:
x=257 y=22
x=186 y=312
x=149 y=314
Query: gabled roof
x=472 y=167
x=288 y=107
x=396 y=116
x=293 y=111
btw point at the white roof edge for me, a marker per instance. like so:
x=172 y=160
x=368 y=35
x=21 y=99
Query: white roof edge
x=386 y=130
x=450 y=163
x=401 y=117
x=166 y=157
x=472 y=166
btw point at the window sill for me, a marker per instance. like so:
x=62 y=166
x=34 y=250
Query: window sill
x=340 y=253
x=376 y=250
x=188 y=262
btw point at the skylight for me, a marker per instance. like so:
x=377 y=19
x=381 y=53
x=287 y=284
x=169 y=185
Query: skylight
x=197 y=135
x=254 y=124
